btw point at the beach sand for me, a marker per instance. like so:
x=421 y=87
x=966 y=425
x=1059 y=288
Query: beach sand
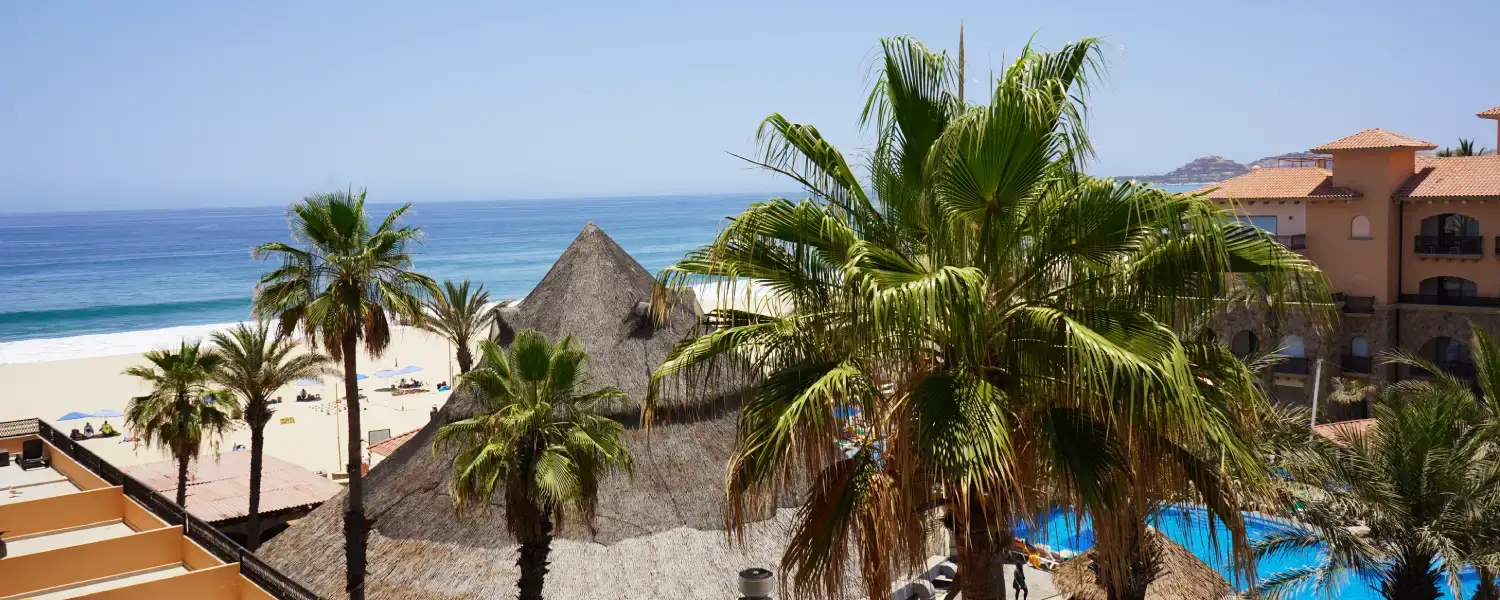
x=48 y=390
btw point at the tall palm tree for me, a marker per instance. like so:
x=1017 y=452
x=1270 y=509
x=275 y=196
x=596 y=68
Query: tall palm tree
x=541 y=437
x=461 y=316
x=339 y=284
x=1418 y=479
x=257 y=362
x=1012 y=322
x=182 y=411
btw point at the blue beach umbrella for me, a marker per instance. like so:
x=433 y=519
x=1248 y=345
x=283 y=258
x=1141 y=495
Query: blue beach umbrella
x=385 y=373
x=73 y=415
x=358 y=377
x=845 y=412
x=309 y=382
x=408 y=369
x=106 y=413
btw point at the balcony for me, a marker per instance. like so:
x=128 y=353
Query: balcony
x=1449 y=245
x=1460 y=369
x=1447 y=300
x=1359 y=305
x=1293 y=242
x=1292 y=365
x=1356 y=364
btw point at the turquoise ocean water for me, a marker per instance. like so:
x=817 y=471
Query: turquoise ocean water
x=98 y=283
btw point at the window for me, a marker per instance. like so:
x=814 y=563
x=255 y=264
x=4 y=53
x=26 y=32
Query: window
x=1265 y=223
x=1291 y=345
x=1450 y=225
x=1444 y=351
x=1360 y=227
x=1449 y=287
x=1359 y=347
x=1244 y=343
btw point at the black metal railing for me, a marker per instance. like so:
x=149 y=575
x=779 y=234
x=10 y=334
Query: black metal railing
x=257 y=571
x=1292 y=365
x=1293 y=242
x=1356 y=364
x=1462 y=245
x=1447 y=300
x=1457 y=368
x=1359 y=305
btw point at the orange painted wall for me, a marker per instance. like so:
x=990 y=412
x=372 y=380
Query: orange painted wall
x=217 y=583
x=1484 y=272
x=1291 y=215
x=63 y=566
x=250 y=591
x=85 y=478
x=195 y=557
x=13 y=445
x=61 y=512
x=138 y=518
x=1361 y=267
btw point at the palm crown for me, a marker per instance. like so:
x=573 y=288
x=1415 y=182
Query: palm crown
x=254 y=362
x=1022 y=318
x=461 y=315
x=182 y=411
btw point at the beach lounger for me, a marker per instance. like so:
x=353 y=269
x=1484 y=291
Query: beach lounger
x=32 y=456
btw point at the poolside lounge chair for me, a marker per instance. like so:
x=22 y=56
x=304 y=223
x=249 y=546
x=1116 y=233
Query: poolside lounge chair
x=32 y=456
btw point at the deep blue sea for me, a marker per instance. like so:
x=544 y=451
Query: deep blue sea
x=95 y=283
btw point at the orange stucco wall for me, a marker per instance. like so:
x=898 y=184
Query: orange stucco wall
x=1484 y=272
x=138 y=518
x=1291 y=215
x=195 y=557
x=61 y=512
x=85 y=478
x=250 y=591
x=1355 y=266
x=13 y=444
x=218 y=583
x=73 y=564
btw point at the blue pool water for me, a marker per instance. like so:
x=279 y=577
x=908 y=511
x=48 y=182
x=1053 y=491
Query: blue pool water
x=1189 y=527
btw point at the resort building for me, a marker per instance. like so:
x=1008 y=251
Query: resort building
x=1409 y=241
x=74 y=526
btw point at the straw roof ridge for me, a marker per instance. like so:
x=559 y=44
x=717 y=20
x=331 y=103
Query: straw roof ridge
x=1183 y=576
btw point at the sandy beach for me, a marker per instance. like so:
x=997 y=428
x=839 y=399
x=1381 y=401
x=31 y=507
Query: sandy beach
x=304 y=433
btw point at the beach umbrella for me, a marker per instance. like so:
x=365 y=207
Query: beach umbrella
x=846 y=412
x=309 y=382
x=106 y=413
x=408 y=369
x=358 y=377
x=385 y=373
x=73 y=415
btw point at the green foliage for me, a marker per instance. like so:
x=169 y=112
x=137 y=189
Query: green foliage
x=1015 y=329
x=461 y=315
x=1465 y=148
x=182 y=410
x=255 y=362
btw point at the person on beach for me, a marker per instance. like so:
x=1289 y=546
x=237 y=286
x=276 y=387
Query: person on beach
x=1019 y=583
x=88 y=430
x=107 y=430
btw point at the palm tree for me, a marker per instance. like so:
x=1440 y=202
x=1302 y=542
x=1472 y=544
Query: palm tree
x=255 y=364
x=541 y=437
x=1418 y=479
x=182 y=411
x=1465 y=148
x=459 y=315
x=1013 y=323
x=339 y=286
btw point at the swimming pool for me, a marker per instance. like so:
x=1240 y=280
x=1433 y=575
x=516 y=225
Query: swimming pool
x=1189 y=527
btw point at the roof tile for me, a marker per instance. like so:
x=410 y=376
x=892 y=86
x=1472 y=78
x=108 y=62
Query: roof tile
x=1301 y=182
x=219 y=490
x=390 y=445
x=1493 y=113
x=1375 y=139
x=1453 y=177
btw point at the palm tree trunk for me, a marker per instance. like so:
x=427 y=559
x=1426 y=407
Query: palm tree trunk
x=1412 y=576
x=533 y=559
x=465 y=358
x=256 y=415
x=356 y=529
x=1486 y=589
x=182 y=470
x=981 y=562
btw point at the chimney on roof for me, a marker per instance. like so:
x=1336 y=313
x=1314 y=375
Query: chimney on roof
x=1493 y=113
x=1320 y=162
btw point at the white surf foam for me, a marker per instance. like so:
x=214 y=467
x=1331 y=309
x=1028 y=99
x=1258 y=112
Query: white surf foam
x=103 y=344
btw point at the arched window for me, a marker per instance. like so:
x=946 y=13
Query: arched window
x=1450 y=225
x=1291 y=345
x=1449 y=355
x=1449 y=287
x=1360 y=227
x=1359 y=347
x=1244 y=343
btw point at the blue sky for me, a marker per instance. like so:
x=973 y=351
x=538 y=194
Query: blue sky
x=150 y=104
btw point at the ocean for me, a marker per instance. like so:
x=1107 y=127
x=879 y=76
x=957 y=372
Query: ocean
x=80 y=284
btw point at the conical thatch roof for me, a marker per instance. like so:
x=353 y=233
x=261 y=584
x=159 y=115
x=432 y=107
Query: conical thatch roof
x=1184 y=577
x=658 y=534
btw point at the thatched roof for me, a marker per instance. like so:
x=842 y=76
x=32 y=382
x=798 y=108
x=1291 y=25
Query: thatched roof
x=1184 y=577
x=658 y=534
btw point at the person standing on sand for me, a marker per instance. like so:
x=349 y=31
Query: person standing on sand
x=1019 y=583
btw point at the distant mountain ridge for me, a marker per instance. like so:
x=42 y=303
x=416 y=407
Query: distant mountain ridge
x=1213 y=169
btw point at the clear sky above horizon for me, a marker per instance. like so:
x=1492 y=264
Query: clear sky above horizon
x=178 y=104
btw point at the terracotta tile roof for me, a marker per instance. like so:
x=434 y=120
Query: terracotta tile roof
x=390 y=445
x=1453 y=177
x=1332 y=431
x=1375 y=139
x=219 y=490
x=1301 y=182
x=1493 y=113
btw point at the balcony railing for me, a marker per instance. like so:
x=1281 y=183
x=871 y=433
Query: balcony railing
x=1359 y=305
x=1293 y=242
x=1451 y=245
x=1457 y=368
x=1356 y=364
x=267 y=577
x=1446 y=300
x=1292 y=365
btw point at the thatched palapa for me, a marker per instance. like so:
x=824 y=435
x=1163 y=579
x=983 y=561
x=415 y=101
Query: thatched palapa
x=659 y=534
x=1183 y=576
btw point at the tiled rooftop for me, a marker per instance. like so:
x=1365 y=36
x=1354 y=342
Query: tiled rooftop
x=219 y=490
x=1453 y=177
x=1259 y=184
x=1493 y=113
x=1375 y=139
x=391 y=445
